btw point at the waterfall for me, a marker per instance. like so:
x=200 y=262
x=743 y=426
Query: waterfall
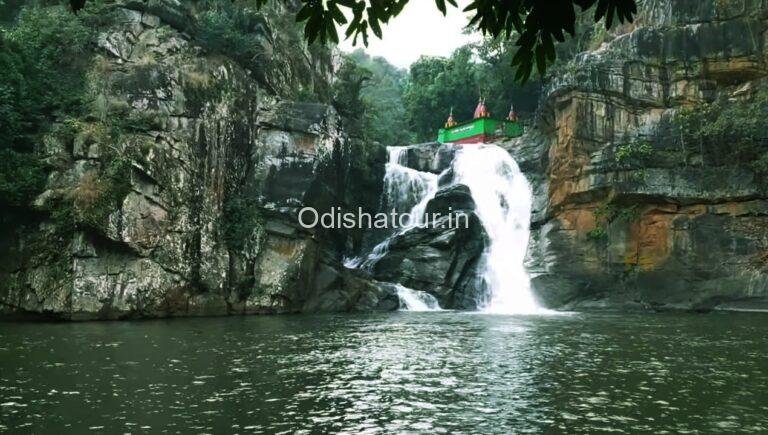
x=503 y=203
x=416 y=300
x=406 y=190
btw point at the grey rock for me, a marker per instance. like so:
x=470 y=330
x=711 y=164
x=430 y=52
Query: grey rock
x=204 y=220
x=438 y=259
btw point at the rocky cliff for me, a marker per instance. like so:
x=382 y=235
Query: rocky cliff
x=647 y=164
x=177 y=193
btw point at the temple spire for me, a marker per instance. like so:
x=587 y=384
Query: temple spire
x=450 y=122
x=481 y=111
x=512 y=116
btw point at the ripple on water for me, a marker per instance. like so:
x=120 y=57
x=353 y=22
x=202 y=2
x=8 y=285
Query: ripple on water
x=404 y=372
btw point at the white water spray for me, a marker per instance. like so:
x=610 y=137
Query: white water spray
x=416 y=300
x=407 y=191
x=503 y=203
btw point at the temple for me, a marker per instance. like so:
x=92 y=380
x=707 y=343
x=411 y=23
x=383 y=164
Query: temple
x=481 y=129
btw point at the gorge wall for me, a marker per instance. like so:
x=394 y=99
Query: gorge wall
x=177 y=193
x=631 y=210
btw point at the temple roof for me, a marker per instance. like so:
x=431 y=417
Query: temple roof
x=481 y=111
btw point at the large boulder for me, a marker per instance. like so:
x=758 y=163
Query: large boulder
x=451 y=199
x=443 y=257
x=429 y=157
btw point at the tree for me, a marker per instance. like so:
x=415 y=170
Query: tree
x=495 y=77
x=382 y=96
x=368 y=94
x=537 y=24
x=42 y=72
x=347 y=95
x=41 y=78
x=435 y=85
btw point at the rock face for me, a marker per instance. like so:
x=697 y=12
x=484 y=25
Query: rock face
x=626 y=214
x=442 y=258
x=190 y=206
x=429 y=157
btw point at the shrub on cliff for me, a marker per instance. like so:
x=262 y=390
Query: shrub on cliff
x=21 y=178
x=347 y=96
x=728 y=131
x=43 y=57
x=241 y=221
x=267 y=42
x=231 y=30
x=97 y=195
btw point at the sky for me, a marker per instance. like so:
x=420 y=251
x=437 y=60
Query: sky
x=420 y=29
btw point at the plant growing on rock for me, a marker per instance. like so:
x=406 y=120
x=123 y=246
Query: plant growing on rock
x=608 y=214
x=633 y=156
x=347 y=95
x=96 y=196
x=241 y=220
x=632 y=153
x=236 y=31
x=727 y=131
x=21 y=178
x=597 y=234
x=43 y=63
x=43 y=58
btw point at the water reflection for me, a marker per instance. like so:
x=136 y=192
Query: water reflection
x=400 y=372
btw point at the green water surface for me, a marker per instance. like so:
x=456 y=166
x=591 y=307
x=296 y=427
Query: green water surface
x=437 y=372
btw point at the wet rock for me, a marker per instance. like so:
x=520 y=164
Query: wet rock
x=439 y=259
x=337 y=287
x=451 y=199
x=429 y=157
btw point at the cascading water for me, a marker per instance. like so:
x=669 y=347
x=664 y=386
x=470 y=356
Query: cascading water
x=503 y=203
x=416 y=300
x=406 y=190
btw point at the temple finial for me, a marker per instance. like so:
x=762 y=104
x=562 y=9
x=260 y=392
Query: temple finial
x=450 y=122
x=512 y=116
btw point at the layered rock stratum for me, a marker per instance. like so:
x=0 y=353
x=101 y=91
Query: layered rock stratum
x=628 y=214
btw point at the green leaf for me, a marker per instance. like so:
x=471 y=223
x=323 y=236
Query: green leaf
x=304 y=13
x=374 y=25
x=313 y=27
x=441 y=6
x=336 y=13
x=602 y=6
x=541 y=60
